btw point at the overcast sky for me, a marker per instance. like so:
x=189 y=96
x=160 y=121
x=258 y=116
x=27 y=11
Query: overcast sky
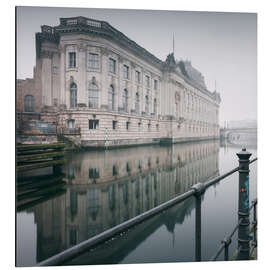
x=222 y=46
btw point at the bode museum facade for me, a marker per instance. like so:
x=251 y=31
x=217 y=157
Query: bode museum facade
x=102 y=89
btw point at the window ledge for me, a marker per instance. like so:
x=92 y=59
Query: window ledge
x=93 y=69
x=72 y=69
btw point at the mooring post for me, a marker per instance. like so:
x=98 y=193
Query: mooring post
x=199 y=189
x=243 y=205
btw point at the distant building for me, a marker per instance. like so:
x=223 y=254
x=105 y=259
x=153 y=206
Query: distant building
x=91 y=77
x=242 y=124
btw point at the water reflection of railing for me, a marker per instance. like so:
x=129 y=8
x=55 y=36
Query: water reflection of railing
x=196 y=190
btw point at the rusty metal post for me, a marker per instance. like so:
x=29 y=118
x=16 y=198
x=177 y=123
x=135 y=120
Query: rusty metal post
x=243 y=206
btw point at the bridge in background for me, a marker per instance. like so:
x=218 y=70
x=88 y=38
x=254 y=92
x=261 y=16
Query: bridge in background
x=238 y=134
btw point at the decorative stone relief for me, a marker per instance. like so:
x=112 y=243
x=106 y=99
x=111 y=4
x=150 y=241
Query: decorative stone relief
x=177 y=97
x=113 y=80
x=104 y=51
x=94 y=81
x=61 y=48
x=82 y=47
x=133 y=65
x=46 y=54
x=120 y=59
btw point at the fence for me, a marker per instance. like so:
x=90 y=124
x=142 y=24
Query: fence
x=197 y=191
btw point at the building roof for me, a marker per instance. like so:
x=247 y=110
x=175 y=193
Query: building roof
x=86 y=25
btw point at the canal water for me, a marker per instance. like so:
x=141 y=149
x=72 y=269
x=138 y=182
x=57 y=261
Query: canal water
x=106 y=188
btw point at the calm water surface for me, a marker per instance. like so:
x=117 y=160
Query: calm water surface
x=106 y=188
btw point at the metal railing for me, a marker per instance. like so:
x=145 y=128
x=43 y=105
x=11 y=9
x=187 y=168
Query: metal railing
x=225 y=243
x=196 y=190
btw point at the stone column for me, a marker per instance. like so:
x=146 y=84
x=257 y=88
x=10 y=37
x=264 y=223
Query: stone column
x=62 y=75
x=105 y=83
x=46 y=77
x=81 y=77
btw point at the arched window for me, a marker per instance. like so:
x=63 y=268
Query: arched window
x=137 y=103
x=73 y=95
x=111 y=195
x=29 y=103
x=146 y=104
x=125 y=193
x=93 y=202
x=111 y=98
x=125 y=100
x=92 y=95
x=73 y=203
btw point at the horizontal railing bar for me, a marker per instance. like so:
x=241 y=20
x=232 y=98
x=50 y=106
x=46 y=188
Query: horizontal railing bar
x=217 y=179
x=234 y=230
x=253 y=160
x=106 y=235
x=252 y=250
x=221 y=247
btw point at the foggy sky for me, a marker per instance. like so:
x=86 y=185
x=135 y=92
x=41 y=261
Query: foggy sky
x=222 y=46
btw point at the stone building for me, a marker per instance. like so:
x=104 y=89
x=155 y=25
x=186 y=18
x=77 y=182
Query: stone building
x=98 y=82
x=28 y=97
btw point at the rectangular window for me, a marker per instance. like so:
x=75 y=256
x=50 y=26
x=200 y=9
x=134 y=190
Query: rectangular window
x=71 y=123
x=72 y=60
x=127 y=125
x=93 y=61
x=155 y=84
x=55 y=102
x=157 y=127
x=93 y=124
x=73 y=237
x=114 y=170
x=93 y=173
x=137 y=76
x=147 y=81
x=149 y=127
x=70 y=22
x=54 y=70
x=126 y=72
x=139 y=126
x=112 y=65
x=93 y=23
x=114 y=124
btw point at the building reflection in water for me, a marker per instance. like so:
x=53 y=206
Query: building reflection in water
x=107 y=188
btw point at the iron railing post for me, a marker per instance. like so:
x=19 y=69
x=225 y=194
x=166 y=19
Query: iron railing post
x=255 y=223
x=199 y=191
x=226 y=242
x=243 y=205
